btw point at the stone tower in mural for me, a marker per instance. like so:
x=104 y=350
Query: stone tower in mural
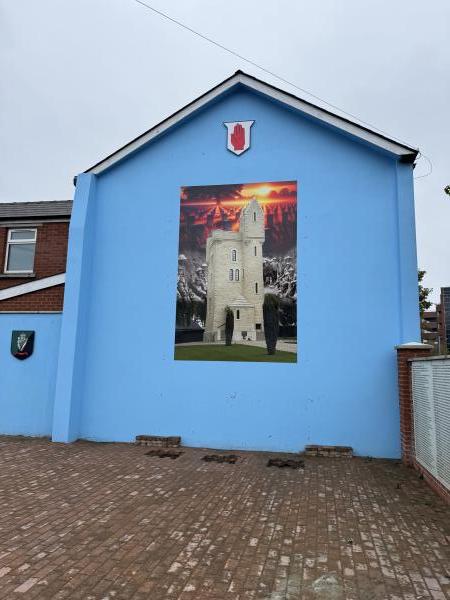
x=235 y=277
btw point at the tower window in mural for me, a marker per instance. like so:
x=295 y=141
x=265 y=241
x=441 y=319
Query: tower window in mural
x=237 y=273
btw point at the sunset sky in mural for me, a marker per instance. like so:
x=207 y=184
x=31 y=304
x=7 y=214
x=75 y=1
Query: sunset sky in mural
x=205 y=208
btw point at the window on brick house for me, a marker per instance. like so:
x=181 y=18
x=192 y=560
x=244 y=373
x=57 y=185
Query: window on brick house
x=20 y=250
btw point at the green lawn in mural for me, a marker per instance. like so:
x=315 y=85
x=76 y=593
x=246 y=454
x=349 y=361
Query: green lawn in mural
x=235 y=352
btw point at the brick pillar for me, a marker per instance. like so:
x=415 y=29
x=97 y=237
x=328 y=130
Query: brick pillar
x=404 y=353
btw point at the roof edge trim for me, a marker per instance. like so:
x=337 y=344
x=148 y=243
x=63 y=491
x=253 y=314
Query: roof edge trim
x=403 y=152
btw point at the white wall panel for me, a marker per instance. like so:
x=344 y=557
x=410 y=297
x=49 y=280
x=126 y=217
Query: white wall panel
x=431 y=398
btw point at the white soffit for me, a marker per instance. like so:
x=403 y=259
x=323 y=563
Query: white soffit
x=352 y=128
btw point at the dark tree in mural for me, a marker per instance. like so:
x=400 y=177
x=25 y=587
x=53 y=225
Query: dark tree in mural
x=271 y=321
x=229 y=325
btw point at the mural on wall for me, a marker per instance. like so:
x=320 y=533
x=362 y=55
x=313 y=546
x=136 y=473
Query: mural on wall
x=237 y=273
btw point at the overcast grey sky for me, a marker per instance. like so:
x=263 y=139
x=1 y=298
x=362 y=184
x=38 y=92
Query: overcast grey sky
x=80 y=78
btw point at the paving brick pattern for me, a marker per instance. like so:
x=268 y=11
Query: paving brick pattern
x=106 y=522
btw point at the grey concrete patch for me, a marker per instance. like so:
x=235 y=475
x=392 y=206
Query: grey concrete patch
x=328 y=587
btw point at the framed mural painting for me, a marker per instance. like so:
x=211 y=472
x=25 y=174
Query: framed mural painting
x=237 y=273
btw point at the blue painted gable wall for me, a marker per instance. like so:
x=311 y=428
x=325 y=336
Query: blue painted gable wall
x=357 y=292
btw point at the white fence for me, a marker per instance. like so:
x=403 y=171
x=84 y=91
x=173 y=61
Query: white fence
x=431 y=399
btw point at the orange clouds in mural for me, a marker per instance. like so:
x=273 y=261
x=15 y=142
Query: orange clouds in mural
x=204 y=208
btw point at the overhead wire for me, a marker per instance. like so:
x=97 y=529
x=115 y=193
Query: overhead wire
x=279 y=77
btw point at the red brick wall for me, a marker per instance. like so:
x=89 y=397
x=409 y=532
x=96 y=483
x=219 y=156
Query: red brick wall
x=50 y=259
x=43 y=300
x=404 y=353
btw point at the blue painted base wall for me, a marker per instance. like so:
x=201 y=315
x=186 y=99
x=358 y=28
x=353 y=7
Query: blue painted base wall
x=267 y=411
x=27 y=386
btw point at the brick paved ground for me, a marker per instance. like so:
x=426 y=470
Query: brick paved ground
x=104 y=521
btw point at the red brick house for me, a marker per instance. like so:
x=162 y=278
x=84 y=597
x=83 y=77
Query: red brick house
x=33 y=251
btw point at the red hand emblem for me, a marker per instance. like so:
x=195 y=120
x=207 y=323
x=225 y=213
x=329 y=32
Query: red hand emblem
x=237 y=138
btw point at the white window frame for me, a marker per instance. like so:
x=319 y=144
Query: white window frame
x=10 y=242
x=236 y=274
x=234 y=254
